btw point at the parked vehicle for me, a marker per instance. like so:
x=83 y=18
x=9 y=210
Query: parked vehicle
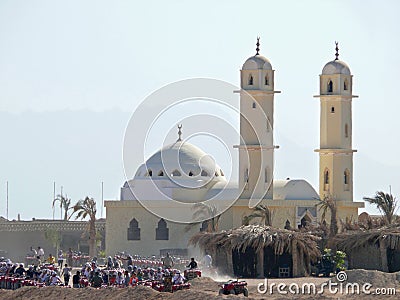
x=234 y=287
x=326 y=265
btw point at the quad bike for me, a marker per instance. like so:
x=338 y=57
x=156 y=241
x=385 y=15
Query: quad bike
x=168 y=286
x=192 y=273
x=234 y=287
x=326 y=265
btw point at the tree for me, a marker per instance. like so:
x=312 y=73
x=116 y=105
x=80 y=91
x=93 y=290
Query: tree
x=387 y=205
x=209 y=213
x=55 y=238
x=64 y=204
x=329 y=204
x=87 y=208
x=263 y=212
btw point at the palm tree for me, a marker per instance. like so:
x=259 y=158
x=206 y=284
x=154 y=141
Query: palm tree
x=209 y=213
x=87 y=208
x=263 y=212
x=387 y=205
x=246 y=220
x=329 y=204
x=65 y=203
x=54 y=237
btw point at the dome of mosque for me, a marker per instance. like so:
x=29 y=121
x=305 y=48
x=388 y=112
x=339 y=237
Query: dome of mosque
x=257 y=62
x=180 y=160
x=336 y=67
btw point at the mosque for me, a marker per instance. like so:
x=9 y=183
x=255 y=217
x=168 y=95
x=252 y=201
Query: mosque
x=142 y=222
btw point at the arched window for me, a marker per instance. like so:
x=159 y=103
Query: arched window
x=345 y=85
x=190 y=173
x=305 y=221
x=326 y=180
x=133 y=230
x=254 y=105
x=204 y=173
x=332 y=109
x=162 y=231
x=346 y=177
x=204 y=226
x=330 y=86
x=149 y=173
x=176 y=173
x=250 y=79
x=216 y=174
x=266 y=80
x=222 y=173
x=161 y=173
x=346 y=180
x=287 y=225
x=346 y=130
x=326 y=177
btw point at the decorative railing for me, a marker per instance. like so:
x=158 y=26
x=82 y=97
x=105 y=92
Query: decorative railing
x=41 y=225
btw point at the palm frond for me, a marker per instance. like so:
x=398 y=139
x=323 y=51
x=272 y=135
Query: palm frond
x=259 y=237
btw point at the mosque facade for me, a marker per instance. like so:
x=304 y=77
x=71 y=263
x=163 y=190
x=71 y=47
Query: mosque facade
x=182 y=172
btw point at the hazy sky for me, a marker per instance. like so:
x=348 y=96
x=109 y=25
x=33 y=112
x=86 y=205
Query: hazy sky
x=64 y=62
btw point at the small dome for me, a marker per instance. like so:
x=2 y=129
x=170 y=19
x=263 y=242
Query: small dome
x=336 y=67
x=294 y=189
x=257 y=62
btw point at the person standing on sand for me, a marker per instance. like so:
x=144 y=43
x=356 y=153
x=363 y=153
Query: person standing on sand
x=34 y=252
x=127 y=278
x=168 y=262
x=207 y=260
x=76 y=280
x=60 y=259
x=67 y=274
x=40 y=254
x=70 y=254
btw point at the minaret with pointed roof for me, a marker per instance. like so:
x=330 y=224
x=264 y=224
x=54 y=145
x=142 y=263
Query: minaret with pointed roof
x=336 y=152
x=256 y=149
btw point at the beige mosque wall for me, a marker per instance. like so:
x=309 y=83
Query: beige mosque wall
x=119 y=215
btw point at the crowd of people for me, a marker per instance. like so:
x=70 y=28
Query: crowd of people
x=73 y=258
x=40 y=275
x=120 y=270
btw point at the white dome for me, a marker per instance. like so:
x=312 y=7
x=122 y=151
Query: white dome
x=180 y=160
x=257 y=62
x=294 y=189
x=180 y=171
x=336 y=67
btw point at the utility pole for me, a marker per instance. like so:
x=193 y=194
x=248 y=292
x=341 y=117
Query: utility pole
x=102 y=198
x=7 y=200
x=61 y=216
x=54 y=196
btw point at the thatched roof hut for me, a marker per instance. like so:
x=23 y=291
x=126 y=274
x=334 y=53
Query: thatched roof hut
x=377 y=249
x=301 y=246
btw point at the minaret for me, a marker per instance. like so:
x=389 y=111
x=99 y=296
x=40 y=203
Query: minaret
x=256 y=149
x=336 y=153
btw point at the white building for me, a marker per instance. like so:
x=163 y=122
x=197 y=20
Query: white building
x=186 y=174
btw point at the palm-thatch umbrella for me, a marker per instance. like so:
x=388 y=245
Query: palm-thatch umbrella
x=302 y=246
x=385 y=237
